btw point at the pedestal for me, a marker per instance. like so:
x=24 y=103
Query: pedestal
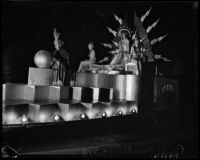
x=40 y=76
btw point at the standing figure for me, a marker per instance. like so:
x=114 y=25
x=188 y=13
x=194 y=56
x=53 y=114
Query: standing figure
x=124 y=43
x=136 y=55
x=85 y=65
x=61 y=60
x=124 y=47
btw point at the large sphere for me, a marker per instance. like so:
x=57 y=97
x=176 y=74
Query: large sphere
x=43 y=59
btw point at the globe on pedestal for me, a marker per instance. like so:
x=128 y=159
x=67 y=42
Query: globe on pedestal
x=43 y=59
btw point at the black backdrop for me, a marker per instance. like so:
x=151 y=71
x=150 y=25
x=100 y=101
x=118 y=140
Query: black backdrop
x=28 y=26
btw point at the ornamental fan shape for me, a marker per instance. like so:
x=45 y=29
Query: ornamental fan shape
x=138 y=31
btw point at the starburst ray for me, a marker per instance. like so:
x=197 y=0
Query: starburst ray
x=114 y=51
x=112 y=31
x=108 y=45
x=152 y=26
x=115 y=43
x=157 y=39
x=118 y=19
x=145 y=15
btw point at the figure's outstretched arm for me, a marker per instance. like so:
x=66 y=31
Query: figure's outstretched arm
x=80 y=67
x=56 y=34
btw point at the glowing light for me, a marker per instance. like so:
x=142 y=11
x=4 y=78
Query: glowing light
x=68 y=116
x=24 y=119
x=104 y=115
x=42 y=117
x=120 y=113
x=123 y=109
x=84 y=116
x=11 y=118
x=92 y=113
x=109 y=111
x=133 y=111
x=56 y=117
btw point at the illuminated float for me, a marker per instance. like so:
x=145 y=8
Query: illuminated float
x=109 y=88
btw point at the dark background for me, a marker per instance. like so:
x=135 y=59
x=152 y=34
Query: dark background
x=27 y=27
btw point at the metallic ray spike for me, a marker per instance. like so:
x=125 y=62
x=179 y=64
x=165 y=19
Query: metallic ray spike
x=112 y=31
x=152 y=26
x=115 y=43
x=145 y=15
x=118 y=19
x=108 y=45
x=115 y=51
x=155 y=40
x=141 y=40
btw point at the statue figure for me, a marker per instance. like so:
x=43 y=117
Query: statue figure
x=124 y=43
x=86 y=65
x=122 y=56
x=60 y=59
x=135 y=56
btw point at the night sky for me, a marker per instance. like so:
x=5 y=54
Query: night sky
x=27 y=27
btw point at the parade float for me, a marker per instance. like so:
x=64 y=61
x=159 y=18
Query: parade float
x=111 y=93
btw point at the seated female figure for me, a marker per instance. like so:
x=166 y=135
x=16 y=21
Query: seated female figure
x=84 y=65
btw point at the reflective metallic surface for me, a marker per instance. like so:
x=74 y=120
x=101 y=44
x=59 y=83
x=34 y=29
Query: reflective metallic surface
x=119 y=86
x=87 y=79
x=13 y=114
x=132 y=87
x=37 y=92
x=57 y=92
x=124 y=86
x=13 y=91
x=43 y=59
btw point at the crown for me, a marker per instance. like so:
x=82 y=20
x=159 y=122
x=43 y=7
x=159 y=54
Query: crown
x=125 y=28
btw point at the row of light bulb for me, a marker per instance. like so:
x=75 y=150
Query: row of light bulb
x=104 y=114
x=24 y=119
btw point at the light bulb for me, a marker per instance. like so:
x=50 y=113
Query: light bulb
x=24 y=119
x=120 y=112
x=56 y=117
x=104 y=114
